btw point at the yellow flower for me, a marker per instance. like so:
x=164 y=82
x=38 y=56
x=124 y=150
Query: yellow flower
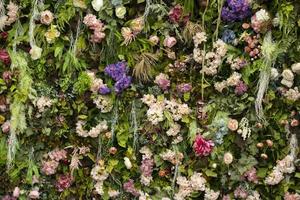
x=51 y=34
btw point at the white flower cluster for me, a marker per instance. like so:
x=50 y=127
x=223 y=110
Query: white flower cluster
x=186 y=187
x=104 y=103
x=213 y=59
x=42 y=102
x=172 y=156
x=287 y=78
x=254 y=196
x=286 y=165
x=144 y=196
x=244 y=130
x=292 y=94
x=99 y=174
x=262 y=15
x=10 y=17
x=211 y=194
x=94 y=132
x=96 y=82
x=174 y=129
x=233 y=80
x=199 y=38
x=236 y=63
x=155 y=113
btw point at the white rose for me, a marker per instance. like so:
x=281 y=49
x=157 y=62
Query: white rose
x=274 y=73
x=288 y=75
x=287 y=83
x=127 y=163
x=120 y=12
x=228 y=158
x=97 y=4
x=296 y=68
x=35 y=52
x=34 y=194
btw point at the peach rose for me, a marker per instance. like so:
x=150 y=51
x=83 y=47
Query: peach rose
x=170 y=42
x=233 y=124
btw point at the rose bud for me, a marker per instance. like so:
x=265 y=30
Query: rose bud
x=259 y=125
x=283 y=122
x=293 y=113
x=259 y=145
x=162 y=173
x=113 y=150
x=264 y=156
x=269 y=143
x=294 y=122
x=246 y=25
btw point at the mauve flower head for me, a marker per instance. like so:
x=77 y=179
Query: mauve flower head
x=49 y=167
x=6 y=127
x=202 y=147
x=235 y=10
x=122 y=84
x=175 y=14
x=4 y=35
x=104 y=89
x=251 y=175
x=8 y=197
x=63 y=182
x=116 y=71
x=228 y=36
x=147 y=167
x=184 y=87
x=130 y=188
x=4 y=56
x=6 y=76
x=240 y=88
x=240 y=192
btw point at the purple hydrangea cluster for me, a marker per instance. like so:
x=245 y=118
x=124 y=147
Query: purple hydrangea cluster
x=235 y=10
x=117 y=72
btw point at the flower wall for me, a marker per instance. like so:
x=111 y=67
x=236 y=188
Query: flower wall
x=149 y=99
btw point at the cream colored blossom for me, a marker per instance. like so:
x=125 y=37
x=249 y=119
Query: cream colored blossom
x=35 y=52
x=46 y=17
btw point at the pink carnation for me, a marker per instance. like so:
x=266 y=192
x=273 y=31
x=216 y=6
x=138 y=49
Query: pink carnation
x=203 y=147
x=240 y=192
x=63 y=182
x=289 y=196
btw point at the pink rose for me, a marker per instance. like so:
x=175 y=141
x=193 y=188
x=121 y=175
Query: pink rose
x=5 y=127
x=34 y=194
x=16 y=192
x=170 y=42
x=4 y=56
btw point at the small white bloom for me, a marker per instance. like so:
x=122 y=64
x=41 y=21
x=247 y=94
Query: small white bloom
x=35 y=52
x=97 y=4
x=228 y=158
x=127 y=163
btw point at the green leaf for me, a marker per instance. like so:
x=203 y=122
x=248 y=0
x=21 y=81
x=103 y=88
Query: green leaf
x=192 y=131
x=210 y=173
x=262 y=172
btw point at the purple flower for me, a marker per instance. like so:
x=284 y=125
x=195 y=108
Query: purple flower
x=184 y=87
x=228 y=36
x=147 y=167
x=104 y=89
x=116 y=71
x=240 y=88
x=235 y=10
x=122 y=84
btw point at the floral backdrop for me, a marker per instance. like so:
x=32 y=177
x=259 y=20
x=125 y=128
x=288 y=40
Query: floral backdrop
x=149 y=99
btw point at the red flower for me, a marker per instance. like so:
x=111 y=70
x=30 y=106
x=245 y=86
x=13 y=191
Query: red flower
x=63 y=182
x=203 y=147
x=4 y=35
x=4 y=56
x=175 y=14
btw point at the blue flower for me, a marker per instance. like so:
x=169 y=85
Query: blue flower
x=116 y=71
x=228 y=36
